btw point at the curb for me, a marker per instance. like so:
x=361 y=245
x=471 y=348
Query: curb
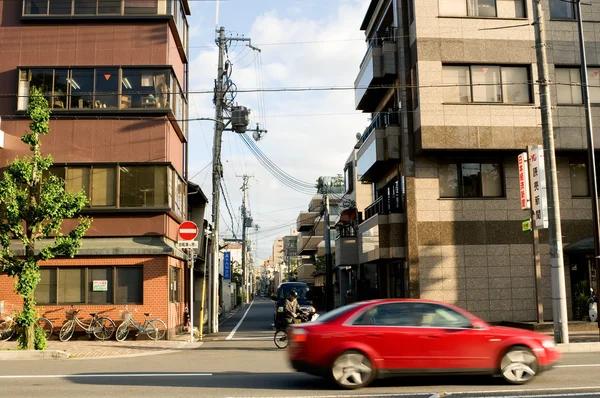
x=170 y=350
x=32 y=354
x=579 y=347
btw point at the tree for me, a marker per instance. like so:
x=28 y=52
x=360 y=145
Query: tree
x=33 y=208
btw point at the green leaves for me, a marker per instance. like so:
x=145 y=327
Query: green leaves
x=33 y=207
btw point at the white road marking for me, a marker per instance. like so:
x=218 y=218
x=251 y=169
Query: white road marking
x=587 y=365
x=239 y=323
x=252 y=338
x=80 y=376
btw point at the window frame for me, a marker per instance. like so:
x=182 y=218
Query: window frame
x=175 y=292
x=86 y=287
x=552 y=18
x=459 y=163
x=574 y=161
x=523 y=5
x=578 y=84
x=500 y=84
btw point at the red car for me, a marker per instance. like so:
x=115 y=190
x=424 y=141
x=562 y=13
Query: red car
x=359 y=342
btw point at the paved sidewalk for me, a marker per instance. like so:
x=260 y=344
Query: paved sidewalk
x=582 y=337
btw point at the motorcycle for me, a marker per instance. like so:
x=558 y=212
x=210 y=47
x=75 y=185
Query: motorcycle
x=593 y=306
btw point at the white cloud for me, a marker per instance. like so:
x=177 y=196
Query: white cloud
x=303 y=146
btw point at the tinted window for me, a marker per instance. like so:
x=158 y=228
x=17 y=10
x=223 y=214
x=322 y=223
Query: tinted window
x=334 y=314
x=301 y=289
x=438 y=316
x=396 y=314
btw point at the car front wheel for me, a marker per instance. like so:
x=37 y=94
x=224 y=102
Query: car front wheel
x=519 y=365
x=352 y=369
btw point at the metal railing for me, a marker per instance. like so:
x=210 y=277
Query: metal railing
x=381 y=121
x=384 y=205
x=388 y=34
x=346 y=231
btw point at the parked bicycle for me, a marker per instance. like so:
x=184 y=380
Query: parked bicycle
x=8 y=326
x=101 y=327
x=155 y=328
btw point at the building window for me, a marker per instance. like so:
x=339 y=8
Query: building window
x=349 y=178
x=580 y=187
x=143 y=186
x=483 y=8
x=486 y=84
x=470 y=180
x=175 y=285
x=561 y=9
x=568 y=85
x=91 y=285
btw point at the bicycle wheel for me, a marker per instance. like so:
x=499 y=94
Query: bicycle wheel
x=157 y=329
x=103 y=328
x=7 y=329
x=281 y=339
x=66 y=331
x=122 y=331
x=46 y=325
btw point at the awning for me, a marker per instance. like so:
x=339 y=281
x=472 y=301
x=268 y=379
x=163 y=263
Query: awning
x=585 y=245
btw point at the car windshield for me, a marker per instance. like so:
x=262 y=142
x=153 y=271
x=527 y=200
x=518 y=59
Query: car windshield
x=301 y=289
x=334 y=314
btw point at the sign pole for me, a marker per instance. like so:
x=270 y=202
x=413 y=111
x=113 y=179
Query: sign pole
x=192 y=252
x=536 y=246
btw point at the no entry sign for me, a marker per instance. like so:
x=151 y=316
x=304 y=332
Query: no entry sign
x=188 y=230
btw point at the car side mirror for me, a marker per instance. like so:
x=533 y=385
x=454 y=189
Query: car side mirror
x=478 y=325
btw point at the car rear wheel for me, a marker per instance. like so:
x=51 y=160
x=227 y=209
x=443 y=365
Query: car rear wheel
x=519 y=365
x=352 y=369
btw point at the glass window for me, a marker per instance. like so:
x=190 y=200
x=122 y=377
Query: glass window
x=145 y=88
x=397 y=314
x=36 y=7
x=59 y=99
x=70 y=285
x=141 y=7
x=568 y=86
x=179 y=195
x=515 y=85
x=100 y=285
x=107 y=87
x=594 y=84
x=491 y=180
x=482 y=8
x=511 y=8
x=438 y=316
x=143 y=186
x=42 y=79
x=23 y=99
x=78 y=179
x=175 y=285
x=470 y=182
x=82 y=88
x=579 y=180
x=104 y=184
x=45 y=291
x=109 y=6
x=561 y=9
x=448 y=174
x=129 y=285
x=58 y=171
x=85 y=7
x=486 y=83
x=457 y=83
x=60 y=7
x=453 y=8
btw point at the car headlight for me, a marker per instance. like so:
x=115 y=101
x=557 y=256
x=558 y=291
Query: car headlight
x=279 y=309
x=548 y=344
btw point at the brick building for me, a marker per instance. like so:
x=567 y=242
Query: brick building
x=115 y=75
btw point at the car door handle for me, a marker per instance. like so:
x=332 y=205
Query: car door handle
x=374 y=334
x=429 y=337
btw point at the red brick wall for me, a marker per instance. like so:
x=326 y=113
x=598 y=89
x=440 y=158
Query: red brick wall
x=155 y=293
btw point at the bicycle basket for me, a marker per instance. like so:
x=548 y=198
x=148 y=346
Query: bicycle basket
x=70 y=315
x=125 y=315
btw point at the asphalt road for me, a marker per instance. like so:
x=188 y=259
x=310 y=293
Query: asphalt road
x=242 y=361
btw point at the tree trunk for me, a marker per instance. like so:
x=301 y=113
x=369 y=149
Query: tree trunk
x=29 y=331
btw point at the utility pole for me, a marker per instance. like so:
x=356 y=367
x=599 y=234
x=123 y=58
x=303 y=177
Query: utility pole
x=559 y=300
x=239 y=122
x=590 y=146
x=244 y=188
x=328 y=260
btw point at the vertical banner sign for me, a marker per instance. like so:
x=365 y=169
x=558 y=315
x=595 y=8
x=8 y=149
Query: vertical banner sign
x=538 y=179
x=227 y=265
x=524 y=181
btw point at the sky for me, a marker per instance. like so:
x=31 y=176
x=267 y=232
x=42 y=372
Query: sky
x=304 y=43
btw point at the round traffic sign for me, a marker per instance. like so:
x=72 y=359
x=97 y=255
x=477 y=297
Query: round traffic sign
x=188 y=230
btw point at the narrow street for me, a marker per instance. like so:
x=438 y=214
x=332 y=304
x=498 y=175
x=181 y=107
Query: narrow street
x=242 y=361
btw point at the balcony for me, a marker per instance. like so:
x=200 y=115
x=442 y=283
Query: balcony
x=306 y=220
x=308 y=244
x=378 y=68
x=380 y=147
x=175 y=10
x=346 y=246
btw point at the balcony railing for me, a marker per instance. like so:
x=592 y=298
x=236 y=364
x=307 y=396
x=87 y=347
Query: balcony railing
x=381 y=121
x=110 y=8
x=388 y=34
x=346 y=231
x=384 y=205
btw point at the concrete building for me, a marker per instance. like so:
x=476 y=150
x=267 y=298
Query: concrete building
x=115 y=73
x=442 y=148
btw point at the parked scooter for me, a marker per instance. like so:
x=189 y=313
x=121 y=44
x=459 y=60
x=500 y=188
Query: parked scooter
x=593 y=306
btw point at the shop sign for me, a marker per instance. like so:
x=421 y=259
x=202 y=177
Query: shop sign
x=524 y=181
x=99 y=286
x=539 y=202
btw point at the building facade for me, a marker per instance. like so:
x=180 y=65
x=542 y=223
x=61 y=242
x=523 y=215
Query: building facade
x=451 y=88
x=115 y=75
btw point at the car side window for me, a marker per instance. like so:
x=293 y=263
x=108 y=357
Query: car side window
x=393 y=314
x=438 y=316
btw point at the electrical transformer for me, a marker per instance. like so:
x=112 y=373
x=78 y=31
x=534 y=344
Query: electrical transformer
x=240 y=118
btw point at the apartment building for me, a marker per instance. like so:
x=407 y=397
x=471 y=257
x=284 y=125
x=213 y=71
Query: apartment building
x=441 y=151
x=115 y=74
